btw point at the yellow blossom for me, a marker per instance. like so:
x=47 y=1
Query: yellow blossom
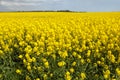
x=74 y=63
x=63 y=54
x=82 y=61
x=61 y=63
x=74 y=54
x=88 y=53
x=1 y=52
x=83 y=75
x=51 y=75
x=99 y=62
x=37 y=79
x=18 y=71
x=24 y=61
x=33 y=59
x=118 y=71
x=29 y=68
x=67 y=76
x=71 y=70
x=20 y=56
x=79 y=56
x=45 y=76
x=46 y=64
x=106 y=74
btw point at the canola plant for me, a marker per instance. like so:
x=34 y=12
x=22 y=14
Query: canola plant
x=59 y=46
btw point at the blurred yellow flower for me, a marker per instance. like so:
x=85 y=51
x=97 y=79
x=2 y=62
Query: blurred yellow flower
x=83 y=75
x=61 y=63
x=37 y=79
x=74 y=63
x=63 y=54
x=33 y=59
x=46 y=64
x=118 y=71
x=20 y=56
x=88 y=53
x=1 y=52
x=29 y=68
x=18 y=71
x=67 y=76
x=74 y=54
x=45 y=76
x=82 y=61
x=71 y=70
x=106 y=74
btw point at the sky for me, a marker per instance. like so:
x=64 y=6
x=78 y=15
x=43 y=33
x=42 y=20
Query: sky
x=73 y=5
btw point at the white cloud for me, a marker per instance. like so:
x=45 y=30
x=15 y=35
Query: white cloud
x=25 y=2
x=7 y=3
x=20 y=2
x=28 y=4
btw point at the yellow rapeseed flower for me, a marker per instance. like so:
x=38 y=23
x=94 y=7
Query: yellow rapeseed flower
x=74 y=54
x=1 y=52
x=20 y=56
x=61 y=63
x=82 y=61
x=67 y=76
x=46 y=64
x=37 y=79
x=29 y=68
x=106 y=74
x=83 y=75
x=88 y=53
x=118 y=71
x=74 y=63
x=71 y=70
x=33 y=59
x=63 y=54
x=18 y=71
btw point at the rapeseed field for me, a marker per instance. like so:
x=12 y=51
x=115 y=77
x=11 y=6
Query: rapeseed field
x=59 y=46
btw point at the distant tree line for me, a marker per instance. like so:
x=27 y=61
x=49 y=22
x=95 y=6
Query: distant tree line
x=51 y=11
x=47 y=11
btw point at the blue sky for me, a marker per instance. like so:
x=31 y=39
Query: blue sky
x=74 y=5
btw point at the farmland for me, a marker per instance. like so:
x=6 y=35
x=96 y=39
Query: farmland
x=59 y=46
